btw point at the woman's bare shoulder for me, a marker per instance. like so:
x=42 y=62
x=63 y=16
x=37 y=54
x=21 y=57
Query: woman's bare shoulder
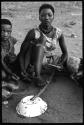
x=59 y=32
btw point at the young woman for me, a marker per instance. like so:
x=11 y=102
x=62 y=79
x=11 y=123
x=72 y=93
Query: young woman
x=39 y=46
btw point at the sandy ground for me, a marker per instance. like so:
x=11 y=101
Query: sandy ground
x=64 y=97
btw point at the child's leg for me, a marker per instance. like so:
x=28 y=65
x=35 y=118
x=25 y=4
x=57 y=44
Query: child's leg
x=15 y=66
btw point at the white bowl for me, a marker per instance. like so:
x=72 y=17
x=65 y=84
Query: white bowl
x=29 y=108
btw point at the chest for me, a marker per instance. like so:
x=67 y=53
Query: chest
x=51 y=40
x=6 y=46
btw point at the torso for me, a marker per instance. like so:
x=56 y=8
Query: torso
x=51 y=40
x=7 y=46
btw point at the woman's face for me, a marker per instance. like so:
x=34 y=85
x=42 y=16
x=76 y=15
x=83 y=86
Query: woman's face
x=46 y=16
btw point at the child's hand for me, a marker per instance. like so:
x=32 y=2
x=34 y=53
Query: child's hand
x=7 y=69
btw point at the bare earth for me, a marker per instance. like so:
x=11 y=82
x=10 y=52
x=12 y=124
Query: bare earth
x=63 y=96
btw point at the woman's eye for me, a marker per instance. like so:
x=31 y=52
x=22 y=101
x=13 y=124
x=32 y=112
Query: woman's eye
x=42 y=15
x=49 y=15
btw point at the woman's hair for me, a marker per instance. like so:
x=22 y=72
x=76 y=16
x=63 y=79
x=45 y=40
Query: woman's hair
x=5 y=21
x=46 y=6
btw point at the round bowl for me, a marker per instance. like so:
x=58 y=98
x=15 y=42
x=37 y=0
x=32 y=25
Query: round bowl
x=29 y=108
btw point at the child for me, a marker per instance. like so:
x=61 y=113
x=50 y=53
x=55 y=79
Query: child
x=7 y=48
x=40 y=43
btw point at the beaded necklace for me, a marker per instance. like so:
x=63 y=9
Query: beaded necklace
x=44 y=30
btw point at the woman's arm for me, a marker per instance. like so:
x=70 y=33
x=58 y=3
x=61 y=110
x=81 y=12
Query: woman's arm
x=64 y=49
x=24 y=47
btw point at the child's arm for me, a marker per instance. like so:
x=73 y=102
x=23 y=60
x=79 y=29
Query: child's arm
x=12 y=55
x=3 y=54
x=6 y=67
x=64 y=50
x=8 y=70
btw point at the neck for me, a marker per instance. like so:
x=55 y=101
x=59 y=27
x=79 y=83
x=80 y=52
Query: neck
x=46 y=28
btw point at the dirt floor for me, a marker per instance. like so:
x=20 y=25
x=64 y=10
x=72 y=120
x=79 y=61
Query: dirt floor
x=63 y=96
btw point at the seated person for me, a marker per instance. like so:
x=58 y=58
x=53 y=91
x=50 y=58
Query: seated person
x=7 y=49
x=38 y=48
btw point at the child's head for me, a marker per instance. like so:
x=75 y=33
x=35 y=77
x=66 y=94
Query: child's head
x=46 y=13
x=6 y=29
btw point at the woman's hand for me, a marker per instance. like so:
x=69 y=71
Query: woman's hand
x=24 y=73
x=61 y=60
x=14 y=76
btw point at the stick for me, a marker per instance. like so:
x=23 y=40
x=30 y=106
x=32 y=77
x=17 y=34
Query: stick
x=43 y=89
x=59 y=68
